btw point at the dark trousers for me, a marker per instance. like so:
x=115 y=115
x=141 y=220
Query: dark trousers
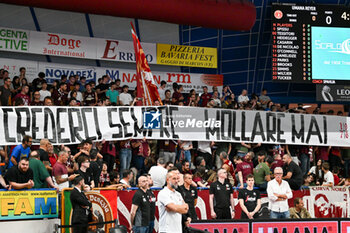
x=109 y=159
x=223 y=213
x=294 y=185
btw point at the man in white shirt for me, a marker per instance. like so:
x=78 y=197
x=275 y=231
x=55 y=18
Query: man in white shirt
x=171 y=206
x=125 y=98
x=161 y=89
x=158 y=173
x=328 y=175
x=278 y=192
x=243 y=98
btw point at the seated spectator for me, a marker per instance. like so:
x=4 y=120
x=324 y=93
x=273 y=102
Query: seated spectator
x=20 y=150
x=167 y=99
x=39 y=81
x=264 y=99
x=216 y=99
x=48 y=101
x=169 y=165
x=261 y=172
x=308 y=180
x=243 y=99
x=44 y=92
x=5 y=92
x=158 y=173
x=128 y=176
x=199 y=177
x=60 y=171
x=243 y=170
x=36 y=99
x=21 y=176
x=60 y=96
x=85 y=171
x=185 y=167
x=41 y=176
x=318 y=172
x=298 y=211
x=89 y=96
x=328 y=175
x=229 y=103
x=205 y=97
x=177 y=95
x=336 y=176
x=104 y=179
x=114 y=177
x=75 y=93
x=23 y=95
x=292 y=173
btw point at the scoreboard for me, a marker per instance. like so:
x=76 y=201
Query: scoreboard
x=311 y=44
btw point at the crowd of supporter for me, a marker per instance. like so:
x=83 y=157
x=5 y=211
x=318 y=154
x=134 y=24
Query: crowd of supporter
x=120 y=163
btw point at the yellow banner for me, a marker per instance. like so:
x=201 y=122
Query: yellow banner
x=181 y=55
x=28 y=204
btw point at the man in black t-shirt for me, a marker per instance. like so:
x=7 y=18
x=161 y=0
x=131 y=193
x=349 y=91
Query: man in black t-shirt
x=152 y=200
x=249 y=200
x=43 y=153
x=292 y=173
x=21 y=176
x=221 y=197
x=190 y=195
x=140 y=208
x=85 y=171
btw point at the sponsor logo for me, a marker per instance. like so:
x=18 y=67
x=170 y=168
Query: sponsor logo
x=152 y=120
x=343 y=47
x=278 y=14
x=57 y=40
x=102 y=211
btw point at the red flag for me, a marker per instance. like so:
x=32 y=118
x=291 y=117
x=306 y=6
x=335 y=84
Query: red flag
x=146 y=86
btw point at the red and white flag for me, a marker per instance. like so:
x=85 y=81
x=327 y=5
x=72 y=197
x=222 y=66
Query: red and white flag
x=146 y=86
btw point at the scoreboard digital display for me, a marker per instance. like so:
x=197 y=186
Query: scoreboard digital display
x=311 y=44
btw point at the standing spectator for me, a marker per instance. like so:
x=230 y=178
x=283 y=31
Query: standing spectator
x=278 y=162
x=140 y=208
x=118 y=88
x=167 y=150
x=103 y=87
x=299 y=211
x=20 y=151
x=152 y=200
x=249 y=200
x=44 y=92
x=90 y=96
x=167 y=99
x=228 y=166
x=125 y=155
x=21 y=176
x=81 y=206
x=124 y=97
x=278 y=192
x=221 y=197
x=243 y=170
x=82 y=83
x=95 y=166
x=41 y=176
x=205 y=97
x=171 y=206
x=16 y=86
x=161 y=90
x=48 y=101
x=345 y=153
x=60 y=171
x=177 y=95
x=3 y=183
x=221 y=147
x=185 y=151
x=204 y=150
x=43 y=153
x=328 y=175
x=292 y=172
x=262 y=170
x=264 y=99
x=5 y=92
x=109 y=152
x=23 y=95
x=85 y=171
x=190 y=196
x=36 y=99
x=60 y=95
x=112 y=94
x=142 y=151
x=158 y=173
x=229 y=103
x=78 y=95
x=226 y=92
x=216 y=99
x=71 y=82
x=38 y=82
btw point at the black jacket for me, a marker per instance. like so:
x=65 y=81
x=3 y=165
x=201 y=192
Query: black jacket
x=79 y=200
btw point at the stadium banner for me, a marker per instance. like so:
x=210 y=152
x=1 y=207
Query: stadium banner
x=63 y=45
x=332 y=93
x=28 y=204
x=330 y=202
x=71 y=125
x=104 y=208
x=218 y=227
x=296 y=226
x=345 y=226
x=182 y=55
x=54 y=71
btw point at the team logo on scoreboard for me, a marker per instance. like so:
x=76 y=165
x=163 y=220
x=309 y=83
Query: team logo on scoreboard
x=345 y=47
x=278 y=14
x=326 y=94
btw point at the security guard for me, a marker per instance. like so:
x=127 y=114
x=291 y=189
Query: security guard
x=221 y=197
